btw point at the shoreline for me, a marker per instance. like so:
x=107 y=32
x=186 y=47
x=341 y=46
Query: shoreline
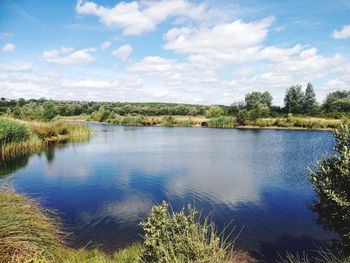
x=247 y=127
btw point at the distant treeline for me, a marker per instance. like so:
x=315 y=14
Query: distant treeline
x=256 y=105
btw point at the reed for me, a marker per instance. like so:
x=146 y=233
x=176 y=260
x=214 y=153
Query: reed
x=19 y=137
x=222 y=122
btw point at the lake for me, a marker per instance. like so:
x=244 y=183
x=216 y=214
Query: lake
x=255 y=180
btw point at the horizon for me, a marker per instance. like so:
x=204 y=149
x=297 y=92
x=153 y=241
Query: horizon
x=185 y=52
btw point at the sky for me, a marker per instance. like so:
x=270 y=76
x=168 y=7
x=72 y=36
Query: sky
x=199 y=52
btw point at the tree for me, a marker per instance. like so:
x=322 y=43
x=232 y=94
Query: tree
x=331 y=102
x=254 y=98
x=242 y=117
x=331 y=182
x=259 y=111
x=214 y=112
x=48 y=111
x=294 y=99
x=310 y=103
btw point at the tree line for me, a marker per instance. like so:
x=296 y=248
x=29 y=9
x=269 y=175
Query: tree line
x=256 y=105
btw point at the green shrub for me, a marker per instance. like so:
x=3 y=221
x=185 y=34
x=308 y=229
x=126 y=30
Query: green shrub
x=12 y=131
x=331 y=181
x=179 y=237
x=242 y=117
x=168 y=121
x=221 y=122
x=185 y=123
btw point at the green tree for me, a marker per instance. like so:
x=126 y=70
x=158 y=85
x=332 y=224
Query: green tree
x=331 y=102
x=310 y=103
x=294 y=99
x=259 y=111
x=214 y=112
x=48 y=111
x=242 y=117
x=254 y=98
x=331 y=181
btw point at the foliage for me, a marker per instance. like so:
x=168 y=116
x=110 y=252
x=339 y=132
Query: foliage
x=12 y=131
x=259 y=111
x=309 y=103
x=222 y=122
x=322 y=256
x=242 y=117
x=335 y=99
x=294 y=99
x=168 y=121
x=331 y=182
x=180 y=237
x=214 y=112
x=255 y=98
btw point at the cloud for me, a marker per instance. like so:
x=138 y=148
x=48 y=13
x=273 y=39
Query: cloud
x=16 y=67
x=123 y=52
x=66 y=56
x=221 y=44
x=105 y=45
x=90 y=83
x=172 y=72
x=135 y=18
x=9 y=47
x=343 y=33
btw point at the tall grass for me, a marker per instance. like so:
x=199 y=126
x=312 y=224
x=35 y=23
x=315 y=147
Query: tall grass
x=20 y=137
x=12 y=132
x=321 y=256
x=222 y=122
x=25 y=230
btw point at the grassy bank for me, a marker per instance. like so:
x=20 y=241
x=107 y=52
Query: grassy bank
x=289 y=122
x=30 y=234
x=18 y=137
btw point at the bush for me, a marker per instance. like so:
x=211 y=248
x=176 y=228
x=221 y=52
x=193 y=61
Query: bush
x=242 y=117
x=331 y=182
x=168 y=121
x=179 y=237
x=214 y=112
x=12 y=131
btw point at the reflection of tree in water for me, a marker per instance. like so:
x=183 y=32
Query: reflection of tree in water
x=331 y=181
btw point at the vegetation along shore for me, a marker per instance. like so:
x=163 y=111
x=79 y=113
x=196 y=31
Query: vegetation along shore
x=300 y=111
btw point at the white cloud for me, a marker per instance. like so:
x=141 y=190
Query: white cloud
x=135 y=18
x=227 y=43
x=173 y=72
x=9 y=47
x=16 y=67
x=90 y=83
x=343 y=33
x=66 y=56
x=123 y=52
x=105 y=45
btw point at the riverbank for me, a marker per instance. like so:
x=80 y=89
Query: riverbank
x=18 y=137
x=228 y=122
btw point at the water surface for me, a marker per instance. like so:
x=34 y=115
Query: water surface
x=256 y=179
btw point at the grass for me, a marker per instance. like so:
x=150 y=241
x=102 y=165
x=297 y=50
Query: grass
x=322 y=256
x=222 y=122
x=23 y=137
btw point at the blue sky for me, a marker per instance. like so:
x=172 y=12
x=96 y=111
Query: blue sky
x=202 y=52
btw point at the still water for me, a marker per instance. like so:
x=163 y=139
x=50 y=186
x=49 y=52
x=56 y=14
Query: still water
x=255 y=179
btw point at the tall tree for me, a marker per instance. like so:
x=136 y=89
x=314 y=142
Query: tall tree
x=310 y=103
x=294 y=99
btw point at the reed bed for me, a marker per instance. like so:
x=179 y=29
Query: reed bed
x=18 y=137
x=221 y=122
